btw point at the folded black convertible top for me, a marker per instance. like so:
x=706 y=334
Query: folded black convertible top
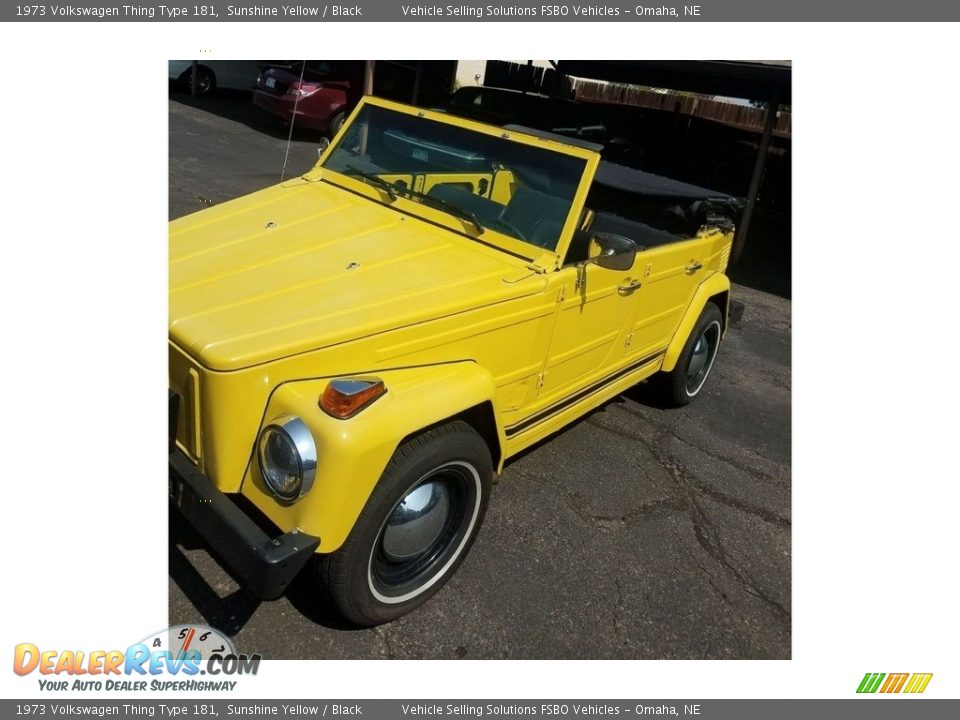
x=620 y=177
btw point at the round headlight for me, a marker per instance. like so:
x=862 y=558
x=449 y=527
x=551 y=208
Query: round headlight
x=288 y=458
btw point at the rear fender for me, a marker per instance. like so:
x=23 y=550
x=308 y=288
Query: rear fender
x=714 y=286
x=352 y=454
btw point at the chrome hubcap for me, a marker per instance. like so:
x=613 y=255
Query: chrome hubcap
x=701 y=359
x=416 y=522
x=424 y=532
x=698 y=361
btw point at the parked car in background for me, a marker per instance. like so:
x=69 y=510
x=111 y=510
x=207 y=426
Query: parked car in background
x=570 y=118
x=213 y=74
x=316 y=97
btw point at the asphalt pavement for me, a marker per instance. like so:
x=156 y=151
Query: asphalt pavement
x=637 y=532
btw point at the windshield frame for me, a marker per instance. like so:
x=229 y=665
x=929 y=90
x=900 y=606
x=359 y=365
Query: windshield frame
x=542 y=256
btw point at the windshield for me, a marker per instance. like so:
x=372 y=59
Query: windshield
x=486 y=182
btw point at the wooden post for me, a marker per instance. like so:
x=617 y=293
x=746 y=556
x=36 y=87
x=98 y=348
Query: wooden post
x=558 y=77
x=743 y=228
x=367 y=90
x=193 y=79
x=368 y=77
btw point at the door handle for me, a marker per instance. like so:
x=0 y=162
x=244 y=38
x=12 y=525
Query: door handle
x=629 y=287
x=694 y=266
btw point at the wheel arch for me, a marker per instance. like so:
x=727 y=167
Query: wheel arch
x=722 y=301
x=715 y=289
x=353 y=453
x=483 y=419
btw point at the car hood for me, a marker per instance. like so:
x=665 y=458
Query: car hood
x=306 y=265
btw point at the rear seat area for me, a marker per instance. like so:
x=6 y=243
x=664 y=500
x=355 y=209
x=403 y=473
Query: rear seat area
x=645 y=236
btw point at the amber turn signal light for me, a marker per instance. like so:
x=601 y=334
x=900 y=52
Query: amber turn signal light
x=343 y=399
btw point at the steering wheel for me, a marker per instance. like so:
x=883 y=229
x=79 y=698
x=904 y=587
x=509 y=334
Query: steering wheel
x=509 y=226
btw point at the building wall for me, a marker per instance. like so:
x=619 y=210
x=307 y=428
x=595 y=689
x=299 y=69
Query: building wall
x=472 y=72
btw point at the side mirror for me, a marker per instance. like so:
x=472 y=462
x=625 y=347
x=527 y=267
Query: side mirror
x=616 y=251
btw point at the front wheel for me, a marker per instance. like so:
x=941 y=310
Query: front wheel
x=415 y=529
x=683 y=383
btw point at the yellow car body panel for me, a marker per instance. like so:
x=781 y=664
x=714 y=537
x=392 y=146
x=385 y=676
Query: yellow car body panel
x=715 y=286
x=305 y=265
x=274 y=294
x=352 y=454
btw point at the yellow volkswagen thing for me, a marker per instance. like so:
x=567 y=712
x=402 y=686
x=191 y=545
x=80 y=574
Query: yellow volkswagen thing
x=355 y=353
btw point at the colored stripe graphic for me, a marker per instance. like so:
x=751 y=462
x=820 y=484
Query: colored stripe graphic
x=918 y=682
x=894 y=682
x=870 y=682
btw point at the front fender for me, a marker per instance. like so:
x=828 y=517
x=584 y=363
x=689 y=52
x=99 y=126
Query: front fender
x=352 y=454
x=716 y=284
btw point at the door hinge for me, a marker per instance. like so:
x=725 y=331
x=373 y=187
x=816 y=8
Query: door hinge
x=562 y=294
x=629 y=340
x=581 y=277
x=539 y=381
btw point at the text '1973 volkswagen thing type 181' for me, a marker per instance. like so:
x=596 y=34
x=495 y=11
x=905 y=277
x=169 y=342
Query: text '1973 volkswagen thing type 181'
x=355 y=353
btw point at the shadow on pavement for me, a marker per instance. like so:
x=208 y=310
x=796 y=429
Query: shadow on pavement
x=228 y=614
x=231 y=613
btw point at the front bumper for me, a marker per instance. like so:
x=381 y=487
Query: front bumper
x=265 y=565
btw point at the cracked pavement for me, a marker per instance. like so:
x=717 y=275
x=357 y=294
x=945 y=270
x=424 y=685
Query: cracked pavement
x=636 y=532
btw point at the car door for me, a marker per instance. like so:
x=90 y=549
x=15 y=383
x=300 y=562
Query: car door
x=669 y=275
x=590 y=327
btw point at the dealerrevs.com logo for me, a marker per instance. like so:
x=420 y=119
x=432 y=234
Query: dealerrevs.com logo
x=910 y=683
x=172 y=659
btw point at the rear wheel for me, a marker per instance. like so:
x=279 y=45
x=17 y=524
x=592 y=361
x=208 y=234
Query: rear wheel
x=206 y=80
x=415 y=529
x=679 y=386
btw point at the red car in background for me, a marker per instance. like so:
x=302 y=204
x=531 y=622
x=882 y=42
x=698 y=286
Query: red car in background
x=324 y=96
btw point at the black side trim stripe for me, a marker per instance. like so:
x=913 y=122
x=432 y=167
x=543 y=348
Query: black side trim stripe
x=547 y=412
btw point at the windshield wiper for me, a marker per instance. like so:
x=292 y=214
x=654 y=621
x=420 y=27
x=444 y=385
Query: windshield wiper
x=439 y=203
x=375 y=180
x=447 y=207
